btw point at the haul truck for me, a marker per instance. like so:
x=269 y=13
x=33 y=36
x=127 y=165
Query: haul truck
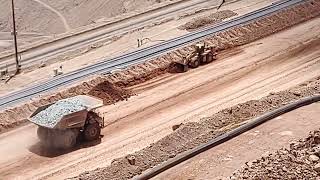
x=63 y=123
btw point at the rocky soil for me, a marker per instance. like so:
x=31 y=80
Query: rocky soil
x=207 y=20
x=136 y=74
x=190 y=135
x=300 y=161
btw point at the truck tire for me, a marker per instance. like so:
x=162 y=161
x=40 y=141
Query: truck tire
x=57 y=139
x=209 y=58
x=92 y=132
x=195 y=63
x=68 y=139
x=42 y=133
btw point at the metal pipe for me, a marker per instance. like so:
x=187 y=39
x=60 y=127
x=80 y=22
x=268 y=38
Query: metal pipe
x=225 y=137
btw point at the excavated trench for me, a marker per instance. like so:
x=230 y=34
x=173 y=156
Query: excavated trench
x=113 y=88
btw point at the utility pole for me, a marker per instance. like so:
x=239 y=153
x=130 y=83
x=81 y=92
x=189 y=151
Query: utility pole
x=15 y=39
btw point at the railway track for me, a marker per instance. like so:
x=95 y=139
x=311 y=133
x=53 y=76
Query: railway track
x=37 y=54
x=138 y=56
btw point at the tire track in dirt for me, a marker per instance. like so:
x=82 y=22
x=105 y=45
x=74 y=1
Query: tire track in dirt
x=131 y=138
x=157 y=126
x=246 y=69
x=294 y=69
x=136 y=132
x=273 y=80
x=63 y=19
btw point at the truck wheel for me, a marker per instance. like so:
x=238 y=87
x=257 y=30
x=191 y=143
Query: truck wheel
x=195 y=63
x=209 y=58
x=69 y=138
x=42 y=133
x=92 y=132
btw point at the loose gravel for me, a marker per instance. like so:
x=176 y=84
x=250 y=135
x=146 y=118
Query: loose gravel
x=54 y=113
x=300 y=161
x=207 y=20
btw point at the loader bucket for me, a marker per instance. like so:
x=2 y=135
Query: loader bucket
x=177 y=67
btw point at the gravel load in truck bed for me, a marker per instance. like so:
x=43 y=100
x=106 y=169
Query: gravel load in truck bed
x=51 y=116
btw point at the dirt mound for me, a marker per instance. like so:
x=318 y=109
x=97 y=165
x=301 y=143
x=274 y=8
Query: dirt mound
x=207 y=20
x=109 y=92
x=192 y=134
x=142 y=72
x=300 y=161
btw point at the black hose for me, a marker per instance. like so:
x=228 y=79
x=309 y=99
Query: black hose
x=227 y=136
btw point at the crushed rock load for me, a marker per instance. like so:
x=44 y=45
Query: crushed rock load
x=142 y=72
x=192 y=134
x=300 y=161
x=51 y=115
x=207 y=20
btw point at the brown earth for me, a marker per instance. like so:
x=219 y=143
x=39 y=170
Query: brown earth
x=221 y=161
x=192 y=134
x=246 y=72
x=143 y=72
x=109 y=93
x=207 y=20
x=299 y=161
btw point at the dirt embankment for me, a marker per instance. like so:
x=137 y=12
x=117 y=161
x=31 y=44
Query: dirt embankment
x=192 y=134
x=300 y=161
x=139 y=73
x=207 y=20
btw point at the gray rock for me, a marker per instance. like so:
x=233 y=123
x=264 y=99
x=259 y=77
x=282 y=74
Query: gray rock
x=51 y=116
x=313 y=158
x=233 y=178
x=131 y=160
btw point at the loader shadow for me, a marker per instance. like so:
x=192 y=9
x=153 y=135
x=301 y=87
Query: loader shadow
x=41 y=150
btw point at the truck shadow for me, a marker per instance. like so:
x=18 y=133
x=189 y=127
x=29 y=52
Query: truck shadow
x=41 y=150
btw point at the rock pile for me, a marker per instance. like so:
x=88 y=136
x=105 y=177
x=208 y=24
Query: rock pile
x=109 y=92
x=207 y=20
x=300 y=161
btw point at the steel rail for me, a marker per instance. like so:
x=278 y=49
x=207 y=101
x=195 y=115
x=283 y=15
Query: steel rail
x=95 y=35
x=138 y=56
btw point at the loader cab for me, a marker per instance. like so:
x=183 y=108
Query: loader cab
x=199 y=48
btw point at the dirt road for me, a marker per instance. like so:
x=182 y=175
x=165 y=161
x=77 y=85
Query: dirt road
x=275 y=63
x=219 y=162
x=63 y=19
